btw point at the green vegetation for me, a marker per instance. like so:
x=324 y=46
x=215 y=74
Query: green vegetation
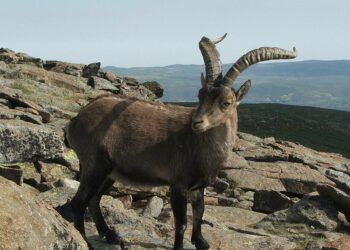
x=25 y=88
x=321 y=129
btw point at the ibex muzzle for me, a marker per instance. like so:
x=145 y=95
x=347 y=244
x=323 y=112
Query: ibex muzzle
x=124 y=139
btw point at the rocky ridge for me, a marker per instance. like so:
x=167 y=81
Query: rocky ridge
x=270 y=195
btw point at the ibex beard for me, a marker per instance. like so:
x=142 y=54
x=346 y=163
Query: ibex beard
x=143 y=143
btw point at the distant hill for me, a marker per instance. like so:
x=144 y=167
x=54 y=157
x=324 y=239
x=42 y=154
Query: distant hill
x=309 y=83
x=321 y=129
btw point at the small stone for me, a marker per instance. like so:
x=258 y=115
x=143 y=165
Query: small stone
x=222 y=174
x=110 y=76
x=59 y=113
x=101 y=84
x=72 y=159
x=67 y=183
x=13 y=173
x=249 y=196
x=51 y=172
x=341 y=179
x=5 y=102
x=340 y=167
x=245 y=204
x=208 y=200
x=91 y=70
x=270 y=201
x=237 y=192
x=165 y=215
x=249 y=137
x=221 y=185
x=44 y=186
x=229 y=193
x=155 y=87
x=126 y=200
x=269 y=140
x=131 y=81
x=154 y=207
x=295 y=199
x=227 y=201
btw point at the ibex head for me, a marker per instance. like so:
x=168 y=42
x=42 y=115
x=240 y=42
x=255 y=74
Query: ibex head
x=218 y=101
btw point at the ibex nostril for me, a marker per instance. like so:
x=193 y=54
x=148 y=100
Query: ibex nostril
x=197 y=123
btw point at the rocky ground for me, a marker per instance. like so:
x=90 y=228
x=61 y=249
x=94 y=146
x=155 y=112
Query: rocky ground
x=271 y=194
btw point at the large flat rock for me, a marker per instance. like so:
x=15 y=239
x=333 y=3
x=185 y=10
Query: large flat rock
x=278 y=176
x=28 y=223
x=22 y=141
x=28 y=71
x=267 y=164
x=232 y=215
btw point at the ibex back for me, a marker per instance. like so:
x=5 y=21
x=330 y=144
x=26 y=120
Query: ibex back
x=145 y=143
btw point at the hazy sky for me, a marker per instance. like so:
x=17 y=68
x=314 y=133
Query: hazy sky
x=130 y=33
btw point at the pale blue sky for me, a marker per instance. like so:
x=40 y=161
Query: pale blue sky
x=130 y=33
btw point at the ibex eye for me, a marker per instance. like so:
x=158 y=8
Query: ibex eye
x=225 y=104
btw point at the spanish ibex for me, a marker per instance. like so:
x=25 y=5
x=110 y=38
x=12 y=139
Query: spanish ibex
x=130 y=140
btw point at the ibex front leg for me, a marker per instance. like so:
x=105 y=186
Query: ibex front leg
x=178 y=201
x=197 y=202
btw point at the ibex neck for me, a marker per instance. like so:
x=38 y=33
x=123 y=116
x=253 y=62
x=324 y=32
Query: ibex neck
x=213 y=148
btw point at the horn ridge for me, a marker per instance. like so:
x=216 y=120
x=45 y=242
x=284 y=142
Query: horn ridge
x=255 y=56
x=211 y=57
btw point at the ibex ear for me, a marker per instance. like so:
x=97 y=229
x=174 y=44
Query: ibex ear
x=204 y=83
x=243 y=90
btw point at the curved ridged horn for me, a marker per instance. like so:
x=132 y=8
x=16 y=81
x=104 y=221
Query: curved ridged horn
x=255 y=56
x=211 y=57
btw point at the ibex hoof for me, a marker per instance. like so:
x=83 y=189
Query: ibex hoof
x=178 y=248
x=90 y=247
x=200 y=243
x=114 y=238
x=117 y=240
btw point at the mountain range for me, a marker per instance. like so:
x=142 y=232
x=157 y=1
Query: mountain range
x=315 y=83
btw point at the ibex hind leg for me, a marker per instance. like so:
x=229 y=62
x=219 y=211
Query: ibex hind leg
x=89 y=184
x=79 y=204
x=94 y=207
